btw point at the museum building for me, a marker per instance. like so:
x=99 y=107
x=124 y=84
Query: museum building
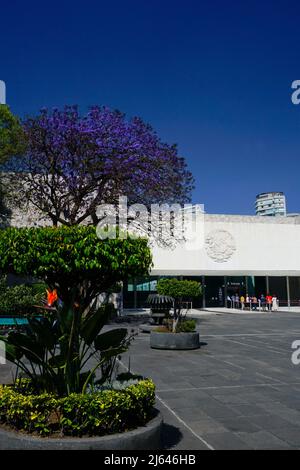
x=243 y=255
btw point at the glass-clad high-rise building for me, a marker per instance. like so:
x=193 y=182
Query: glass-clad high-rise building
x=270 y=204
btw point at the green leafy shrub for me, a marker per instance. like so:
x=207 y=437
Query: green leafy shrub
x=31 y=413
x=98 y=414
x=19 y=299
x=186 y=326
x=179 y=289
x=62 y=256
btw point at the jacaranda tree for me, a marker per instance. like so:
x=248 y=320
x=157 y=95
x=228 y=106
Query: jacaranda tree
x=73 y=163
x=76 y=266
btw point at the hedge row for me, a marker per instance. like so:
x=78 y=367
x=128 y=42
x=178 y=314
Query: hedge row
x=97 y=414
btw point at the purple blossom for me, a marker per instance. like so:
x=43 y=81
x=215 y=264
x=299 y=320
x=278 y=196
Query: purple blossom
x=75 y=162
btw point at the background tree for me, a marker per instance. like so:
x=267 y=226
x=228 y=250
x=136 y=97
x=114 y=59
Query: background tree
x=180 y=291
x=76 y=266
x=12 y=137
x=12 y=142
x=74 y=163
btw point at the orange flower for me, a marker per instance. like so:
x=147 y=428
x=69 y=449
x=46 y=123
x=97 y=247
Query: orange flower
x=51 y=297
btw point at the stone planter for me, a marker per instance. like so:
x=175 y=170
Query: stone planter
x=174 y=340
x=147 y=437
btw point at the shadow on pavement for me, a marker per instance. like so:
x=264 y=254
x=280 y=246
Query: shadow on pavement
x=171 y=436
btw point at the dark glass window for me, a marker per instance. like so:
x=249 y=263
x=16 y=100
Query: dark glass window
x=295 y=291
x=214 y=291
x=278 y=288
x=260 y=286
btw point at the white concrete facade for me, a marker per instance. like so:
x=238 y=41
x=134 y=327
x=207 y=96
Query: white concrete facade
x=237 y=245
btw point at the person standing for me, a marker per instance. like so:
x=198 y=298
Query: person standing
x=269 y=302
x=274 y=303
x=254 y=303
x=263 y=302
x=242 y=300
x=248 y=302
x=237 y=301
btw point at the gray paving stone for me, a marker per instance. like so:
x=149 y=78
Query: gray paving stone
x=239 y=424
x=230 y=399
x=206 y=425
x=218 y=411
x=263 y=440
x=270 y=422
x=249 y=410
x=289 y=433
x=225 y=441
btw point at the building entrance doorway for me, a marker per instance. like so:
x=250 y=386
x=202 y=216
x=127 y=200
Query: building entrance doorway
x=214 y=291
x=235 y=287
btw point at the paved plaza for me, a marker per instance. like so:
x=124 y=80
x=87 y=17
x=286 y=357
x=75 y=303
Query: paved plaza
x=239 y=391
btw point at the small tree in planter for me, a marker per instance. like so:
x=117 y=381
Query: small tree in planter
x=180 y=291
x=76 y=266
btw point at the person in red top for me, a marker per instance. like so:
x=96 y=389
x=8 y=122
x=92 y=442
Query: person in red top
x=269 y=302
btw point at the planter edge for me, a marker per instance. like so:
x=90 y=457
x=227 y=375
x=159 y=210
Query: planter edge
x=146 y=437
x=174 y=341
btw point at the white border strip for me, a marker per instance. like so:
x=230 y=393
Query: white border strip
x=184 y=423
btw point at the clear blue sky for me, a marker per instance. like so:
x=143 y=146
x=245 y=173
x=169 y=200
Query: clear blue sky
x=213 y=76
